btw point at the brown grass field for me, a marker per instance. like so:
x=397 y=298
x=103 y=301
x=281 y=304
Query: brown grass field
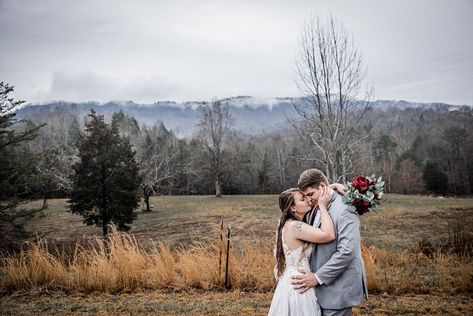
x=168 y=263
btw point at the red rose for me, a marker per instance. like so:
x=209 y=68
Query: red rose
x=361 y=206
x=361 y=184
x=359 y=203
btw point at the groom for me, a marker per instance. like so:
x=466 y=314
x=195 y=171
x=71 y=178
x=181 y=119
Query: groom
x=338 y=272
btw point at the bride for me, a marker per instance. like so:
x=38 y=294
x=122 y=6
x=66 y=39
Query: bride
x=293 y=250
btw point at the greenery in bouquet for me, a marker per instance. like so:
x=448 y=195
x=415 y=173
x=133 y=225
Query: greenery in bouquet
x=364 y=193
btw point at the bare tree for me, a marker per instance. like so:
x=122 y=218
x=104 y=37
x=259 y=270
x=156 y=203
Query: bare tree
x=215 y=121
x=329 y=71
x=53 y=172
x=157 y=173
x=157 y=162
x=408 y=178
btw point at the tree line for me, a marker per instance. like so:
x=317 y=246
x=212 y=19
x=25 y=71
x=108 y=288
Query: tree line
x=415 y=150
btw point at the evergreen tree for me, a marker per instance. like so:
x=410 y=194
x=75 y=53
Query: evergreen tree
x=73 y=132
x=15 y=165
x=455 y=140
x=16 y=169
x=106 y=178
x=127 y=125
x=435 y=180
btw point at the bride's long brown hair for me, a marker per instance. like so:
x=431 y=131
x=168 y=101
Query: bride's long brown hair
x=286 y=200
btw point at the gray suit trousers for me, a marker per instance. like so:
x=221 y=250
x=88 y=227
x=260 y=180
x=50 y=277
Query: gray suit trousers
x=337 y=312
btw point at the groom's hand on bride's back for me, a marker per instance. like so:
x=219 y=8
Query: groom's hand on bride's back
x=340 y=188
x=304 y=280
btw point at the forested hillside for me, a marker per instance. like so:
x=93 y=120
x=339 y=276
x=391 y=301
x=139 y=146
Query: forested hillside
x=417 y=148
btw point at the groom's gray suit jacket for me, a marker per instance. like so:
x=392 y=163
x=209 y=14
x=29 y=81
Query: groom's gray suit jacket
x=338 y=264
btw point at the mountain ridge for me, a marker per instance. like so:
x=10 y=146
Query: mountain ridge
x=250 y=115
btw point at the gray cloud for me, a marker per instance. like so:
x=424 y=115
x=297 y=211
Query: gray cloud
x=89 y=86
x=195 y=50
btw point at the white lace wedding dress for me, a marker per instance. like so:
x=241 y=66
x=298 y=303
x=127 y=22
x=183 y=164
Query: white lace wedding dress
x=286 y=300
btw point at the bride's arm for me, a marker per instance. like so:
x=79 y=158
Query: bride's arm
x=303 y=231
x=340 y=188
x=325 y=233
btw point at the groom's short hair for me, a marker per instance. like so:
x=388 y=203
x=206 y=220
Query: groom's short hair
x=311 y=178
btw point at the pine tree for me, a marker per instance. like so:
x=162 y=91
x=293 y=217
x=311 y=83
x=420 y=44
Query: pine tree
x=73 y=132
x=106 y=178
x=435 y=180
x=16 y=169
x=14 y=164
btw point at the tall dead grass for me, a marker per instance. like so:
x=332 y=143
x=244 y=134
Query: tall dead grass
x=118 y=263
x=414 y=272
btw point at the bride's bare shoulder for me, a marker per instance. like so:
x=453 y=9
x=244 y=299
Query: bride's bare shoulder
x=294 y=224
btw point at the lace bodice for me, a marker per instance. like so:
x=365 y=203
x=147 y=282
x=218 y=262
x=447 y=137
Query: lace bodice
x=299 y=257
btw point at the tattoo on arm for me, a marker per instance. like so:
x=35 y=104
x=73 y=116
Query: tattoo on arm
x=298 y=226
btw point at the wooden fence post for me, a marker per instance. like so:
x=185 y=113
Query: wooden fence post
x=227 y=283
x=221 y=251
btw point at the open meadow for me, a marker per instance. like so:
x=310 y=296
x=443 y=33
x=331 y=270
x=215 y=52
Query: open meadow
x=415 y=251
x=398 y=224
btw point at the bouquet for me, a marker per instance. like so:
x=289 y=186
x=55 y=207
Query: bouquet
x=364 y=193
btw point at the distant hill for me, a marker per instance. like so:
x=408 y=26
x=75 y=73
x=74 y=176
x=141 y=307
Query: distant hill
x=251 y=115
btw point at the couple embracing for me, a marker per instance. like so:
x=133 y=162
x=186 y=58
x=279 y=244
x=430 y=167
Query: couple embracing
x=319 y=267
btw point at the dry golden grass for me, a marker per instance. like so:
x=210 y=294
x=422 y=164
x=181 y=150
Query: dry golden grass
x=413 y=272
x=119 y=264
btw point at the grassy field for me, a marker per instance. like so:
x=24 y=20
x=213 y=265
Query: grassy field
x=402 y=280
x=176 y=220
x=399 y=224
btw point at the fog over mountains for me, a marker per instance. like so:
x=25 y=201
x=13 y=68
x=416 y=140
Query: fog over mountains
x=250 y=115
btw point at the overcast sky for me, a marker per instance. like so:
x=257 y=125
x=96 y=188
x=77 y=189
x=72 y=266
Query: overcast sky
x=180 y=50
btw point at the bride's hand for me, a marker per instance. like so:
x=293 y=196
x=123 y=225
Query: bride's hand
x=325 y=197
x=340 y=188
